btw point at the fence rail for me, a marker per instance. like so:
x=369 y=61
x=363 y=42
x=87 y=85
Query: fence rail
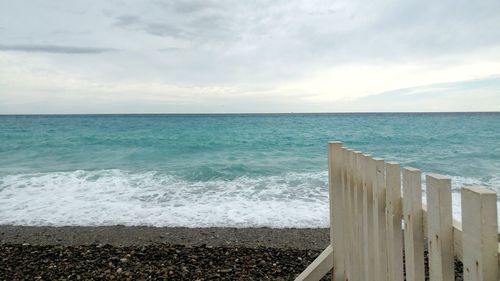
x=373 y=225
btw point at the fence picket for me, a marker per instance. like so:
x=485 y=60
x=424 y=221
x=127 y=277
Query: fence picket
x=346 y=221
x=348 y=229
x=394 y=215
x=480 y=240
x=379 y=226
x=336 y=210
x=413 y=224
x=358 y=194
x=440 y=228
x=352 y=216
x=369 y=171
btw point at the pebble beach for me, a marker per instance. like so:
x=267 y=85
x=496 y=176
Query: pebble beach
x=152 y=253
x=160 y=253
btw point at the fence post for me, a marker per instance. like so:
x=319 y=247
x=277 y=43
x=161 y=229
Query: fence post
x=335 y=161
x=480 y=238
x=346 y=171
x=379 y=193
x=369 y=172
x=358 y=212
x=353 y=255
x=394 y=214
x=348 y=221
x=440 y=228
x=413 y=222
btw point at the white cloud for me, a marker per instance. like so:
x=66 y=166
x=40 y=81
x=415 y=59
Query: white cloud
x=354 y=81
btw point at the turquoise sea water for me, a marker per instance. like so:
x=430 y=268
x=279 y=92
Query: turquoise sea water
x=218 y=170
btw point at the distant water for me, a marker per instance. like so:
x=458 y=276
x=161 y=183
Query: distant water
x=218 y=170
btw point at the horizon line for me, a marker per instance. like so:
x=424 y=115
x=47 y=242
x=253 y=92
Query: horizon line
x=250 y=113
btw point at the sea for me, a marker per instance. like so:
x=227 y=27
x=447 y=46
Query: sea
x=219 y=170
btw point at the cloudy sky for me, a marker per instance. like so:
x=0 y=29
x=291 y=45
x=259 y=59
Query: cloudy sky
x=157 y=56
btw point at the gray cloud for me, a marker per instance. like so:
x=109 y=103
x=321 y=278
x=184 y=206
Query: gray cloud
x=127 y=20
x=247 y=44
x=260 y=42
x=190 y=6
x=170 y=49
x=161 y=29
x=212 y=26
x=295 y=32
x=153 y=28
x=55 y=49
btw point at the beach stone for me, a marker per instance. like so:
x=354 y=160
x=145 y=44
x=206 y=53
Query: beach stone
x=225 y=270
x=155 y=262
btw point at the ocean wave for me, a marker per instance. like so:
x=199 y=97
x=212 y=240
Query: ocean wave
x=110 y=197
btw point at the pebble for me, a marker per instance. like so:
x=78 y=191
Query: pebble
x=225 y=270
x=155 y=262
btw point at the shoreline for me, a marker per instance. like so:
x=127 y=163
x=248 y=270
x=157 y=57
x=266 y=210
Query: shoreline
x=119 y=235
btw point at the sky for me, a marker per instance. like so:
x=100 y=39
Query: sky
x=203 y=56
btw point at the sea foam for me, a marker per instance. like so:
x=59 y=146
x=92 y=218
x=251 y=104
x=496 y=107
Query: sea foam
x=111 y=197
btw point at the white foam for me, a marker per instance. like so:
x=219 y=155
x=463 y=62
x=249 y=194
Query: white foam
x=456 y=184
x=112 y=197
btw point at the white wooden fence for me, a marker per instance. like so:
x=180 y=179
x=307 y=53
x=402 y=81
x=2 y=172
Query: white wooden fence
x=367 y=212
